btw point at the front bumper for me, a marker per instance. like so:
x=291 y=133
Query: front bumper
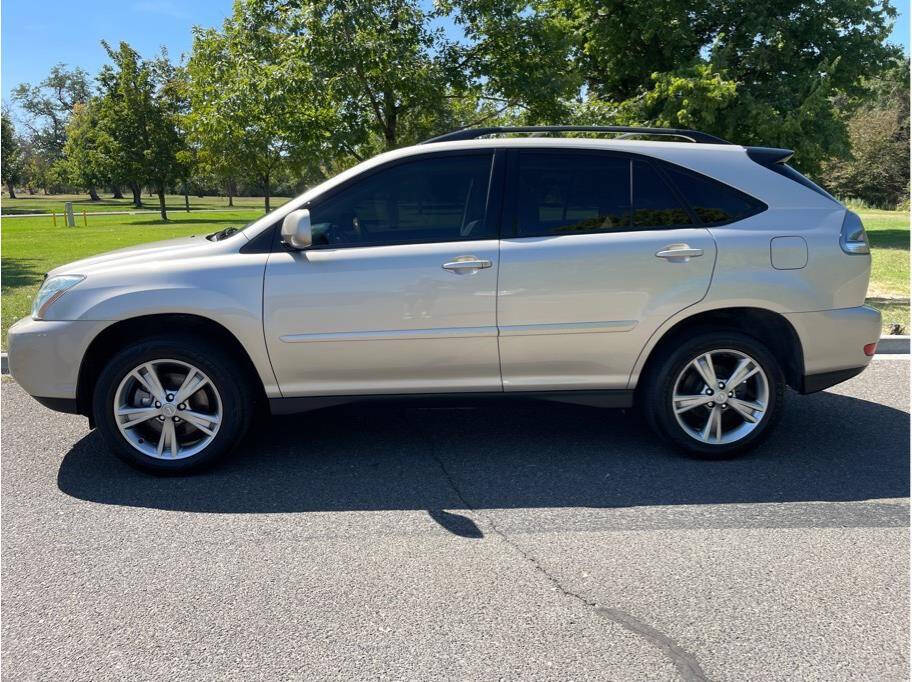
x=832 y=343
x=45 y=356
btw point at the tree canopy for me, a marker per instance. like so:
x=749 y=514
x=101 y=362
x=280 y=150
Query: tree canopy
x=304 y=88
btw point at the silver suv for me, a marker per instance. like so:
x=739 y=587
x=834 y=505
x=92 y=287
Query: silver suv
x=696 y=279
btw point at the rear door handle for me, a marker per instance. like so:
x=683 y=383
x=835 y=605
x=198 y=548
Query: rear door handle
x=678 y=253
x=467 y=263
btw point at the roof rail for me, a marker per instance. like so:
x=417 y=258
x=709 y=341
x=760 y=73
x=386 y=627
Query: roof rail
x=629 y=131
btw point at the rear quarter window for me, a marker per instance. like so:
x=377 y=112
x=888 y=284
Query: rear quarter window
x=713 y=202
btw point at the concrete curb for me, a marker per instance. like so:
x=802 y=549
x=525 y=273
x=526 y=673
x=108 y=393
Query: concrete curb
x=888 y=345
x=893 y=344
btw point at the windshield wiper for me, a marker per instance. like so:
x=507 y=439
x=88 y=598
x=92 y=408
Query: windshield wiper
x=222 y=234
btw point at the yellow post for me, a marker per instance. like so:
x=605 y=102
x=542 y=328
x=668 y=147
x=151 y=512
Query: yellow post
x=85 y=221
x=54 y=216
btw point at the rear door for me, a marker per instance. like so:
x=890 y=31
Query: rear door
x=602 y=251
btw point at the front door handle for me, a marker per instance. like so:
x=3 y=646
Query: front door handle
x=678 y=253
x=467 y=263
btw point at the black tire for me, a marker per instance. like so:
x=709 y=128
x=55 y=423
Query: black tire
x=656 y=398
x=222 y=370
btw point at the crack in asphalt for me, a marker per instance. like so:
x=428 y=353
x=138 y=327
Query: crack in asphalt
x=686 y=664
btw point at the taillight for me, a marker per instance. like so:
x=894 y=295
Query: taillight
x=853 y=238
x=870 y=349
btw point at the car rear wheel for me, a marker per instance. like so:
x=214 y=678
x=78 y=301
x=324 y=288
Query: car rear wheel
x=172 y=404
x=715 y=395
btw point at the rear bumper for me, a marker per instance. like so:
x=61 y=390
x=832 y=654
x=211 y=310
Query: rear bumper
x=811 y=383
x=832 y=344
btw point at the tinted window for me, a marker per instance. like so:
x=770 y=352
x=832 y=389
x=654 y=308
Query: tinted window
x=654 y=204
x=429 y=200
x=712 y=201
x=572 y=194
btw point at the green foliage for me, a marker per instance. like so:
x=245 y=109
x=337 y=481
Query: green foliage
x=876 y=172
x=137 y=119
x=762 y=72
x=250 y=108
x=48 y=106
x=288 y=92
x=88 y=161
x=11 y=161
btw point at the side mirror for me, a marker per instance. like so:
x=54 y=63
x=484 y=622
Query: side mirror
x=296 y=233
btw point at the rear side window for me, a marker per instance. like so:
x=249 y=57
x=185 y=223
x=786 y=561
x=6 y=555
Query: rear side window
x=572 y=194
x=654 y=204
x=713 y=202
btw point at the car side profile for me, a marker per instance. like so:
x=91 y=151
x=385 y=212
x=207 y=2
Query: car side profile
x=691 y=277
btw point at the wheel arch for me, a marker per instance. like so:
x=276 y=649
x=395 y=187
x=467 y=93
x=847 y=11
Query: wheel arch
x=116 y=336
x=768 y=327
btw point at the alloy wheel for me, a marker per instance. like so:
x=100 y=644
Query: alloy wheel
x=720 y=396
x=167 y=409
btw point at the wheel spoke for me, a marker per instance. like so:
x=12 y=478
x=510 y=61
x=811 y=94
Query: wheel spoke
x=744 y=371
x=168 y=439
x=136 y=415
x=747 y=409
x=175 y=446
x=683 y=403
x=704 y=366
x=150 y=381
x=163 y=438
x=193 y=382
x=204 y=422
x=713 y=423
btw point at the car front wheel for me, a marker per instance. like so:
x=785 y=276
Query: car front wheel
x=171 y=404
x=716 y=395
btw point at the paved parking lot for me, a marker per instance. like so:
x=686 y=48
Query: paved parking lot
x=515 y=541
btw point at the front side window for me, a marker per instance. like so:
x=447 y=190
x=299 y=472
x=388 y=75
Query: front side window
x=438 y=199
x=571 y=194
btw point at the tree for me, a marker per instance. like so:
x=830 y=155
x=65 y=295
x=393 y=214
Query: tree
x=771 y=68
x=250 y=109
x=136 y=115
x=877 y=169
x=88 y=158
x=47 y=108
x=11 y=162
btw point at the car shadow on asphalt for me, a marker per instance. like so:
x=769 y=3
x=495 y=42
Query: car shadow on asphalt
x=505 y=455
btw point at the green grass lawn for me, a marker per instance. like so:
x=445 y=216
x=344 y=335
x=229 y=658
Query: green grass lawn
x=32 y=246
x=888 y=291
x=38 y=203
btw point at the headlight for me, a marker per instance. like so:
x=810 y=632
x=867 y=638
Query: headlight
x=52 y=289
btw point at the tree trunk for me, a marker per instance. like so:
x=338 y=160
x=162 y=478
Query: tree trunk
x=161 y=201
x=149 y=190
x=93 y=195
x=186 y=197
x=115 y=191
x=232 y=190
x=266 y=190
x=137 y=194
x=12 y=192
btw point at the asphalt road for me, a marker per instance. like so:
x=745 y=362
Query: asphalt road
x=508 y=541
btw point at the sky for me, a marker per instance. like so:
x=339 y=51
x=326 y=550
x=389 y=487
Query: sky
x=36 y=34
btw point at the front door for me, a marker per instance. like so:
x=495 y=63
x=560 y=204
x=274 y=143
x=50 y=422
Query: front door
x=398 y=292
x=603 y=252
